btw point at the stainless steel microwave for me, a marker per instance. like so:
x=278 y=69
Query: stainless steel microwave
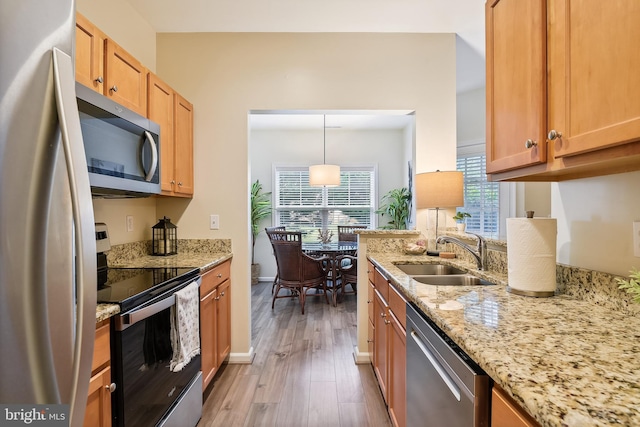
x=121 y=146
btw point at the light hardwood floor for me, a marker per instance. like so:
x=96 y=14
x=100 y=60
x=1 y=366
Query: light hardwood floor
x=303 y=373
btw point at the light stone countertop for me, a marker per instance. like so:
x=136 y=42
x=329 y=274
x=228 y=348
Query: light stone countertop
x=566 y=361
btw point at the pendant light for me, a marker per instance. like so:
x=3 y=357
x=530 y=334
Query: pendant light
x=324 y=175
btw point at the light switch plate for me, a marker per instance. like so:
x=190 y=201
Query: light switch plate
x=214 y=222
x=636 y=239
x=129 y=223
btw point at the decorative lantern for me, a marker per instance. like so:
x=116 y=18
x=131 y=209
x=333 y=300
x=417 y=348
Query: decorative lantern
x=165 y=238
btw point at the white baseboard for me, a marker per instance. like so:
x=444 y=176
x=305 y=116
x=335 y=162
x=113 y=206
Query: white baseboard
x=242 y=358
x=360 y=357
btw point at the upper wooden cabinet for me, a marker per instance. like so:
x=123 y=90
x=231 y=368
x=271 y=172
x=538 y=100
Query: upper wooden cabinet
x=89 y=54
x=183 y=113
x=174 y=114
x=105 y=67
x=560 y=79
x=125 y=78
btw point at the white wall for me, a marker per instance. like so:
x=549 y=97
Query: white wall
x=227 y=75
x=384 y=149
x=595 y=218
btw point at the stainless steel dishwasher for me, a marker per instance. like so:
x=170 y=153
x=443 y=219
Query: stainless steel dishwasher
x=445 y=388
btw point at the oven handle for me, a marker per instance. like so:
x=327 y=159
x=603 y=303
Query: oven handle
x=133 y=317
x=447 y=380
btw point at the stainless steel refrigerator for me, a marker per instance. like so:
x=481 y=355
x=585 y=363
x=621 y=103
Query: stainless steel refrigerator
x=47 y=243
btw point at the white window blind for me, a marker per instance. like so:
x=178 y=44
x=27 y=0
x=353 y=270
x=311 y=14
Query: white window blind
x=481 y=197
x=301 y=207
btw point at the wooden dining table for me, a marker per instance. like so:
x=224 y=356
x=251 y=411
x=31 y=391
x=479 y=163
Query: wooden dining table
x=331 y=250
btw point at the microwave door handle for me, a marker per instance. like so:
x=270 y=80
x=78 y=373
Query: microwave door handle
x=154 y=156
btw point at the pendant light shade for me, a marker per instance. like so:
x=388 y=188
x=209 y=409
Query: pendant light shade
x=324 y=175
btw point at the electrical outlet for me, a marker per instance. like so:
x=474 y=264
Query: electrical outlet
x=214 y=222
x=129 y=223
x=636 y=239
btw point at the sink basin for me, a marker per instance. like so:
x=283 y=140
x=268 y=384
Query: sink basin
x=451 y=280
x=429 y=269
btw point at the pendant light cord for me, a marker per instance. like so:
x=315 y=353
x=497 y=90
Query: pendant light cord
x=324 y=139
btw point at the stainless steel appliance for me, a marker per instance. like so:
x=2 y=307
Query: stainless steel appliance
x=148 y=392
x=121 y=146
x=444 y=386
x=47 y=245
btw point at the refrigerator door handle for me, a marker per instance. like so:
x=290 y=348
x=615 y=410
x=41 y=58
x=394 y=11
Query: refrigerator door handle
x=84 y=237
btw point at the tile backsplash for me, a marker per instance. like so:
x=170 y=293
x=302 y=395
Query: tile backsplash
x=129 y=251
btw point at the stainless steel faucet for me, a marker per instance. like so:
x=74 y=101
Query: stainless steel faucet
x=480 y=253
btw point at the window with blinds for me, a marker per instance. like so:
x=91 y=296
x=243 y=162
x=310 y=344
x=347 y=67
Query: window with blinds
x=481 y=197
x=298 y=206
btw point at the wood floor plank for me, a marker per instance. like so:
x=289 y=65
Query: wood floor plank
x=303 y=373
x=323 y=404
x=262 y=415
x=237 y=402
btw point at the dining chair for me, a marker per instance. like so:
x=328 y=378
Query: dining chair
x=268 y=230
x=297 y=272
x=346 y=233
x=347 y=266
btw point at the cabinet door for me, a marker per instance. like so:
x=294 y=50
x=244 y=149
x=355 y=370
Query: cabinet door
x=597 y=64
x=98 y=411
x=89 y=54
x=505 y=413
x=125 y=79
x=223 y=312
x=160 y=110
x=208 y=329
x=516 y=84
x=183 y=111
x=397 y=372
x=380 y=351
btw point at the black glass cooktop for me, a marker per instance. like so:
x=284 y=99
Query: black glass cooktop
x=132 y=287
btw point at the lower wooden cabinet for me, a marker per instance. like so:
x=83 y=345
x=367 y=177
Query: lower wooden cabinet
x=215 y=320
x=98 y=411
x=387 y=343
x=506 y=413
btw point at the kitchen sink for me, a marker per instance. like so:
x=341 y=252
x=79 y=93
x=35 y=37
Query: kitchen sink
x=429 y=269
x=451 y=280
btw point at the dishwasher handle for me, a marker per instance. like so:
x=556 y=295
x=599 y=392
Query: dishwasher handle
x=443 y=374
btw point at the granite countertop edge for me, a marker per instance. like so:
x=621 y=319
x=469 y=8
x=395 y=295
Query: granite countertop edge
x=566 y=361
x=202 y=261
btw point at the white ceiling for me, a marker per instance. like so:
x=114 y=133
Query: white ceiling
x=462 y=17
x=315 y=120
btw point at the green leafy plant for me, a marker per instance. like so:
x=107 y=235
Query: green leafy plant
x=460 y=216
x=631 y=286
x=260 y=209
x=397 y=205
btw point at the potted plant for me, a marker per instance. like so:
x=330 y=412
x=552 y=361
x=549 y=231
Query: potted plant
x=260 y=209
x=460 y=220
x=397 y=205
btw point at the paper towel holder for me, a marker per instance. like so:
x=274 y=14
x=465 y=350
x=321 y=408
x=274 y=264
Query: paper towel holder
x=539 y=294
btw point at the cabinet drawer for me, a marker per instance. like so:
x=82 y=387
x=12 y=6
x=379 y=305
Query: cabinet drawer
x=398 y=305
x=370 y=271
x=370 y=294
x=382 y=285
x=506 y=413
x=214 y=277
x=101 y=347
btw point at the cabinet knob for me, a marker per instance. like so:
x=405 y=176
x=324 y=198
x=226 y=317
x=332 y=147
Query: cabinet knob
x=553 y=134
x=386 y=322
x=180 y=184
x=173 y=182
x=369 y=301
x=222 y=294
x=383 y=315
x=369 y=340
x=114 y=88
x=219 y=275
x=530 y=143
x=99 y=79
x=111 y=387
x=217 y=298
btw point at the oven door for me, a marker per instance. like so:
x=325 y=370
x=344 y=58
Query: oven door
x=141 y=352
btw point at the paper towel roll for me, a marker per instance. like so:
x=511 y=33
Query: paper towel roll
x=531 y=255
